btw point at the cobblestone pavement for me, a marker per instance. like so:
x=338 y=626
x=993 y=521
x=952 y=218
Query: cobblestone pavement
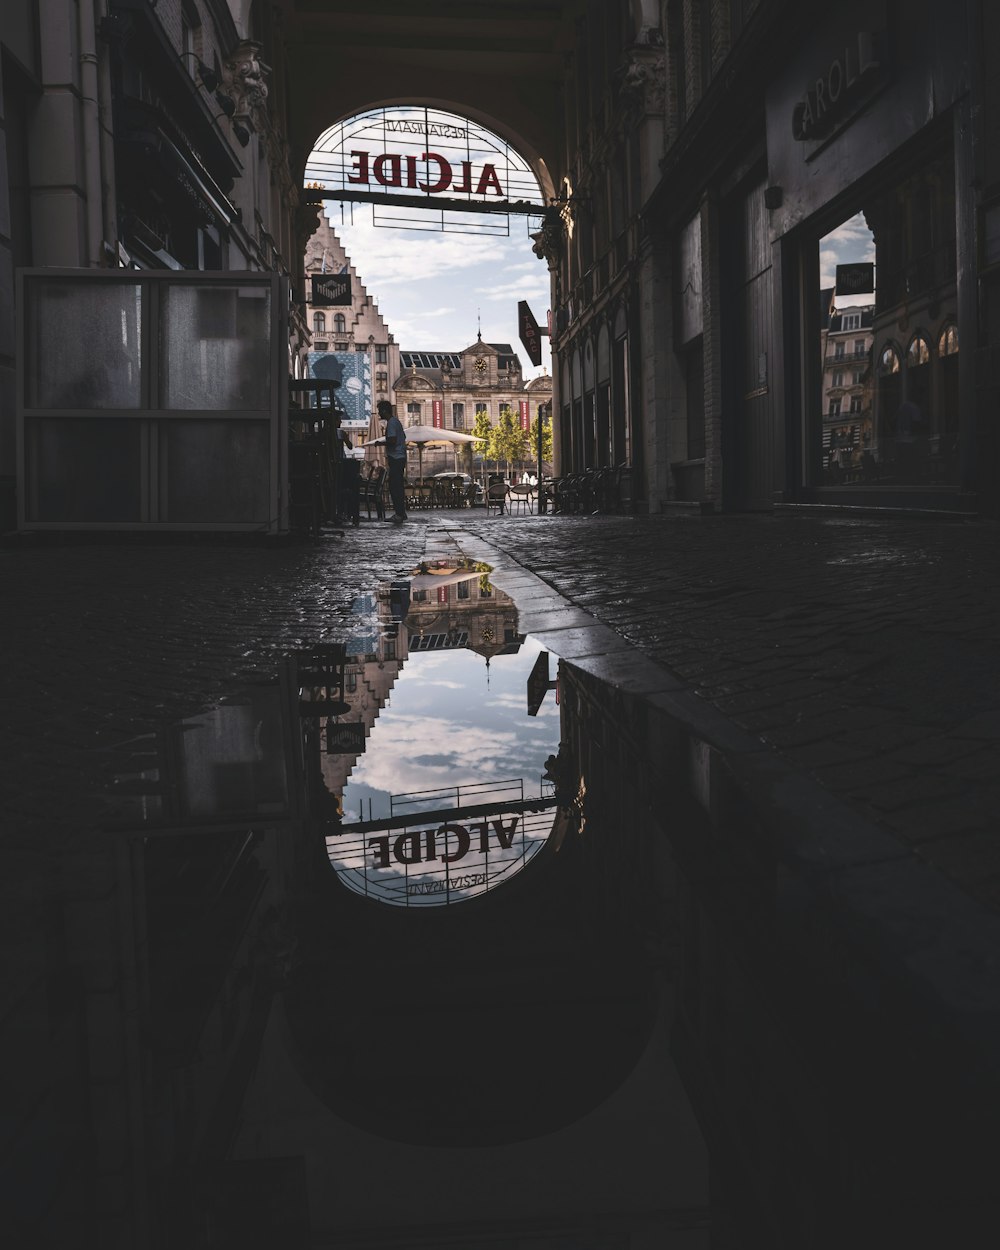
x=866 y=651
x=863 y=650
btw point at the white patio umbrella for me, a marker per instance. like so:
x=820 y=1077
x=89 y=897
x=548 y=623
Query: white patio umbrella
x=428 y=436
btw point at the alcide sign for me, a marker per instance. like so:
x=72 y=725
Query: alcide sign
x=447 y=844
x=395 y=169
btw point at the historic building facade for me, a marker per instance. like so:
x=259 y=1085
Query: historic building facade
x=142 y=137
x=712 y=151
x=352 y=327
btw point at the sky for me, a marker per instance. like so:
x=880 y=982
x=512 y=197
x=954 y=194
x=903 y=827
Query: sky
x=431 y=287
x=851 y=242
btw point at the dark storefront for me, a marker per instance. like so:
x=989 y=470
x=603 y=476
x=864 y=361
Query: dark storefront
x=868 y=142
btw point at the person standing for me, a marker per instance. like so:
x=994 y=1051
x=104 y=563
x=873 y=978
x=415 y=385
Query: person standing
x=395 y=452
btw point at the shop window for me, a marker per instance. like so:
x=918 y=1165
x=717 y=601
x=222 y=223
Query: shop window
x=319 y=323
x=339 y=324
x=907 y=406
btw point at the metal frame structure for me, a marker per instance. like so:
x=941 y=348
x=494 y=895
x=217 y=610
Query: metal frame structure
x=150 y=416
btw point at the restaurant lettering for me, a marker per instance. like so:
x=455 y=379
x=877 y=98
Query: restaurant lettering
x=831 y=95
x=428 y=845
x=392 y=169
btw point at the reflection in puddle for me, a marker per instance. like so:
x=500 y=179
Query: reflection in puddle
x=453 y=801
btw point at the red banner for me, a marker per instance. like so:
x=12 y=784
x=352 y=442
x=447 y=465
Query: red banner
x=525 y=414
x=442 y=594
x=438 y=414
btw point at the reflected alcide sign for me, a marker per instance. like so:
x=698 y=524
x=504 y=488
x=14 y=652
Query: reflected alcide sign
x=445 y=858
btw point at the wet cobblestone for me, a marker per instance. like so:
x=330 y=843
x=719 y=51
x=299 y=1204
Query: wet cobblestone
x=863 y=650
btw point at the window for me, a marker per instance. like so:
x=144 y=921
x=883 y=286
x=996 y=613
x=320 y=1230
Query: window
x=948 y=342
x=340 y=347
x=360 y=347
x=339 y=324
x=413 y=411
x=458 y=416
x=482 y=408
x=859 y=347
x=850 y=321
x=857 y=375
x=381 y=382
x=381 y=354
x=838 y=351
x=321 y=347
x=889 y=360
x=855 y=403
x=834 y=409
x=319 y=323
x=838 y=378
x=918 y=353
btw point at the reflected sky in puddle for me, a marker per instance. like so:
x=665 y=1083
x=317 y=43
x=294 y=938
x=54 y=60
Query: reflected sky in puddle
x=440 y=687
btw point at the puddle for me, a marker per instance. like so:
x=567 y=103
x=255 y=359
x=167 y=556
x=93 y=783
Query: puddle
x=420 y=743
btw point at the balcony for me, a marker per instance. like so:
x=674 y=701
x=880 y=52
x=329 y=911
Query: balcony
x=846 y=358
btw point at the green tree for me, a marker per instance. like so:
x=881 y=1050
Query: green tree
x=508 y=441
x=483 y=428
x=546 y=440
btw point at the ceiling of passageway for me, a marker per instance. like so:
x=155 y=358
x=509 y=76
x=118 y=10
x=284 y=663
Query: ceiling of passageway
x=499 y=62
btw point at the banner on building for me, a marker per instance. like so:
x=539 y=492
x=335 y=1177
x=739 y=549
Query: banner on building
x=353 y=371
x=525 y=414
x=438 y=419
x=331 y=288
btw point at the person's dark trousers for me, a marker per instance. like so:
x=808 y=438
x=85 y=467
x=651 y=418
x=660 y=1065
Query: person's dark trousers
x=397 y=471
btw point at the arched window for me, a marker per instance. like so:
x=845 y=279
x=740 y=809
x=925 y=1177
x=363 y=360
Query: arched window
x=340 y=323
x=948 y=342
x=889 y=360
x=918 y=353
x=319 y=323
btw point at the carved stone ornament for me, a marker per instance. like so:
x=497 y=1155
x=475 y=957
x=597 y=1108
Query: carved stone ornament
x=547 y=243
x=243 y=81
x=642 y=79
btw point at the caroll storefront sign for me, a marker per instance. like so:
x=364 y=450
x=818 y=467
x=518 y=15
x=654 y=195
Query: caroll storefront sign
x=841 y=88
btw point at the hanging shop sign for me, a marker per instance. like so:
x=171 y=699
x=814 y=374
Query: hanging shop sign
x=438 y=411
x=331 y=288
x=529 y=332
x=856 y=279
x=840 y=88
